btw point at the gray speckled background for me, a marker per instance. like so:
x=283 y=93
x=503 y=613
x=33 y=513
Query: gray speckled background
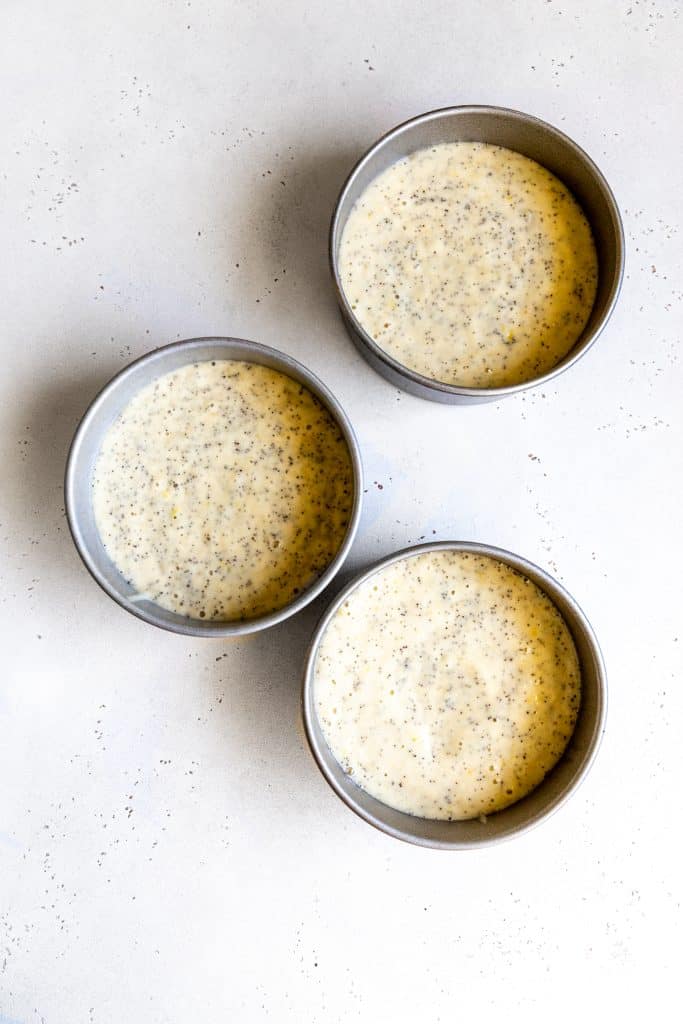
x=168 y=851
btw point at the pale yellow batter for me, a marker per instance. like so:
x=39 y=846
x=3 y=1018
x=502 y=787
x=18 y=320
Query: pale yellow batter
x=223 y=490
x=447 y=685
x=470 y=264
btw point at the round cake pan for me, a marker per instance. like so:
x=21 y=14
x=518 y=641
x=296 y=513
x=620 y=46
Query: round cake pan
x=86 y=445
x=532 y=138
x=558 y=784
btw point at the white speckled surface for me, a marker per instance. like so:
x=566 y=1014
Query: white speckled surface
x=168 y=851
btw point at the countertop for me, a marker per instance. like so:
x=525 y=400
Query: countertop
x=168 y=850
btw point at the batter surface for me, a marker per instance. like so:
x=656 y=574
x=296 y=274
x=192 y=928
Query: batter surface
x=447 y=685
x=223 y=490
x=470 y=264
